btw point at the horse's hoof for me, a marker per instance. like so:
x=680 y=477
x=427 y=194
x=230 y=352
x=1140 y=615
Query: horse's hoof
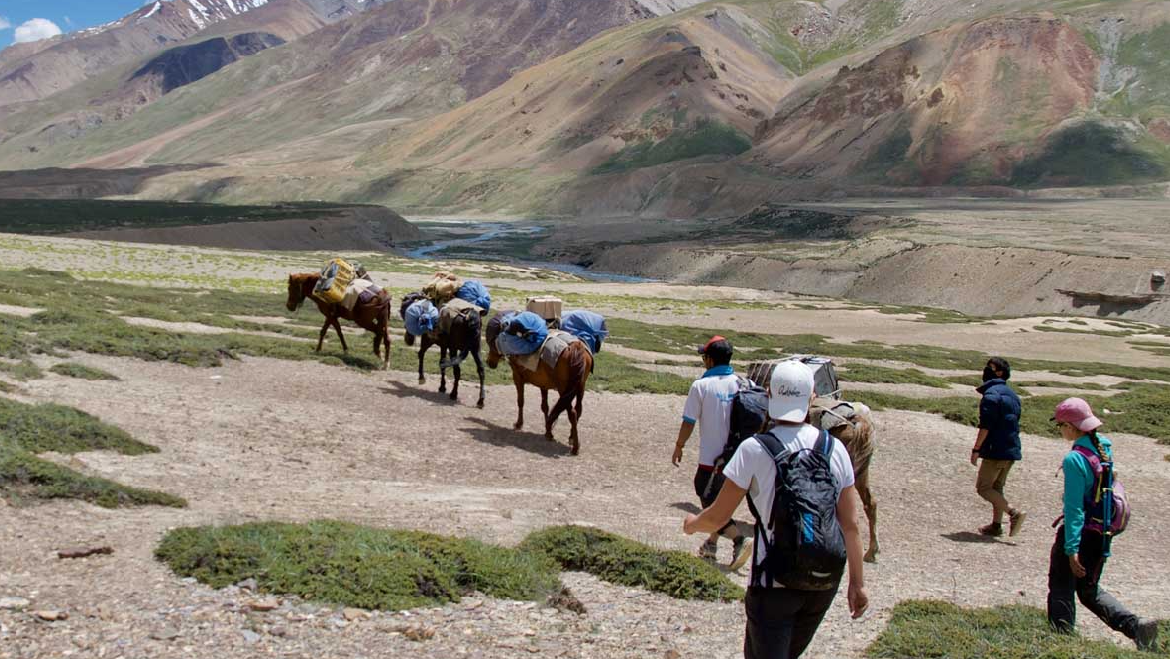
x=442 y=389
x=549 y=437
x=480 y=404
x=517 y=426
x=422 y=380
x=454 y=396
x=575 y=450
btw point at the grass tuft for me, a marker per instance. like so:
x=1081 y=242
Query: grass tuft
x=82 y=372
x=26 y=430
x=921 y=629
x=629 y=563
x=23 y=474
x=354 y=565
x=50 y=427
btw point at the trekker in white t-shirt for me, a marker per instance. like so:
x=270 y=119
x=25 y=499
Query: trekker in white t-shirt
x=709 y=406
x=782 y=621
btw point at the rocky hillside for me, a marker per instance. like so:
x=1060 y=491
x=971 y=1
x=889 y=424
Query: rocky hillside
x=657 y=108
x=31 y=71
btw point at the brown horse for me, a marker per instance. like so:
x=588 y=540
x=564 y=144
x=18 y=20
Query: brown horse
x=568 y=377
x=373 y=315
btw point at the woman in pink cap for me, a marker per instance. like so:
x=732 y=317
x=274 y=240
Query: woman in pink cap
x=1082 y=546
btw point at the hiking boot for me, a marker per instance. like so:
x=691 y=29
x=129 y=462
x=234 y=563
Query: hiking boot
x=993 y=530
x=1146 y=634
x=741 y=552
x=1016 y=522
x=708 y=550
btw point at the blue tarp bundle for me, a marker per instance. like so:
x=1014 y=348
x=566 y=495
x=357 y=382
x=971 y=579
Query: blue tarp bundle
x=521 y=334
x=476 y=293
x=421 y=317
x=587 y=326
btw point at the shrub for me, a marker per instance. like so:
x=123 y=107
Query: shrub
x=81 y=372
x=629 y=563
x=355 y=565
x=925 y=628
x=23 y=474
x=50 y=427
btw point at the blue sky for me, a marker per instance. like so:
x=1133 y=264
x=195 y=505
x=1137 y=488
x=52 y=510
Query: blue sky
x=69 y=15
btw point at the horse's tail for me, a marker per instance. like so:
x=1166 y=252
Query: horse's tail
x=580 y=366
x=471 y=330
x=385 y=309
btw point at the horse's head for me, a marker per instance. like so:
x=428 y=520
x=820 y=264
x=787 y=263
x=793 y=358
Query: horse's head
x=296 y=292
x=490 y=332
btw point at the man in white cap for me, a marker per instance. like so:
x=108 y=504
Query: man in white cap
x=782 y=620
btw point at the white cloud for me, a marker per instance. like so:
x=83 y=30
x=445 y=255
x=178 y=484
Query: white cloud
x=4 y=24
x=35 y=30
x=68 y=22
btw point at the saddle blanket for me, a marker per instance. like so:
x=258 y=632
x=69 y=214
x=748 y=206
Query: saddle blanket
x=451 y=310
x=549 y=353
x=359 y=290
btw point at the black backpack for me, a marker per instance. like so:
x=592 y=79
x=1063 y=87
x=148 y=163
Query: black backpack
x=749 y=414
x=807 y=551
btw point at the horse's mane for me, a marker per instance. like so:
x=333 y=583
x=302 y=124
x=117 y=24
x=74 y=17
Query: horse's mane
x=494 y=326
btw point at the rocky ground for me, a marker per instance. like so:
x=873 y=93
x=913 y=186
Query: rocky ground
x=258 y=440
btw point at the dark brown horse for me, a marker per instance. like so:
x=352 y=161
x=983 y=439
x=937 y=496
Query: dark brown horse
x=373 y=315
x=568 y=377
x=458 y=334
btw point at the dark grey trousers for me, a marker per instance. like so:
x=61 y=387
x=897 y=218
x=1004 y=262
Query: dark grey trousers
x=1063 y=584
x=781 y=622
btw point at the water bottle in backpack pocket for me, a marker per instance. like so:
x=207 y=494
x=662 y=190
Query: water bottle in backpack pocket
x=807 y=546
x=1106 y=508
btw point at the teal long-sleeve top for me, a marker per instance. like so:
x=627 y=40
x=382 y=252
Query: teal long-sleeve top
x=1078 y=485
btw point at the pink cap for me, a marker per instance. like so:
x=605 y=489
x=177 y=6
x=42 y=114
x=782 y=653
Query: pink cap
x=1076 y=412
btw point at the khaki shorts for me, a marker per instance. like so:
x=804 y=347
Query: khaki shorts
x=993 y=475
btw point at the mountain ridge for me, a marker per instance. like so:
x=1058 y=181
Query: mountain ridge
x=659 y=109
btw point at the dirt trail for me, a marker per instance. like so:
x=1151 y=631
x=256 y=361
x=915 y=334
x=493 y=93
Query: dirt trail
x=257 y=440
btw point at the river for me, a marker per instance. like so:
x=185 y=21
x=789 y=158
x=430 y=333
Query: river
x=466 y=234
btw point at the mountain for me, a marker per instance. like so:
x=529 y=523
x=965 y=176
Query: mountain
x=658 y=108
x=32 y=71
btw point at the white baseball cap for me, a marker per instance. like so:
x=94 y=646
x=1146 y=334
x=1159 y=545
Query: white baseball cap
x=789 y=391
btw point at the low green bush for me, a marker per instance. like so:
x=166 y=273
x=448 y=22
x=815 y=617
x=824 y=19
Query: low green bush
x=50 y=427
x=922 y=629
x=622 y=561
x=23 y=370
x=81 y=372
x=26 y=430
x=354 y=565
x=23 y=474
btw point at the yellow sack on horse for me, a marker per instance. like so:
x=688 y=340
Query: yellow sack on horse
x=442 y=287
x=336 y=277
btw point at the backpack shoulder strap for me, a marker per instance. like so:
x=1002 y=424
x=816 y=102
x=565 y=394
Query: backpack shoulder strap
x=824 y=444
x=1091 y=457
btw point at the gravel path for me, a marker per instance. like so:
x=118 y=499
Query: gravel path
x=257 y=440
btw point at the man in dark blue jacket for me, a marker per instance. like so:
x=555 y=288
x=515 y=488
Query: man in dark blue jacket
x=998 y=444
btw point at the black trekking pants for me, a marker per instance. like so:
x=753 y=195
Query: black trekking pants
x=781 y=622
x=1062 y=584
